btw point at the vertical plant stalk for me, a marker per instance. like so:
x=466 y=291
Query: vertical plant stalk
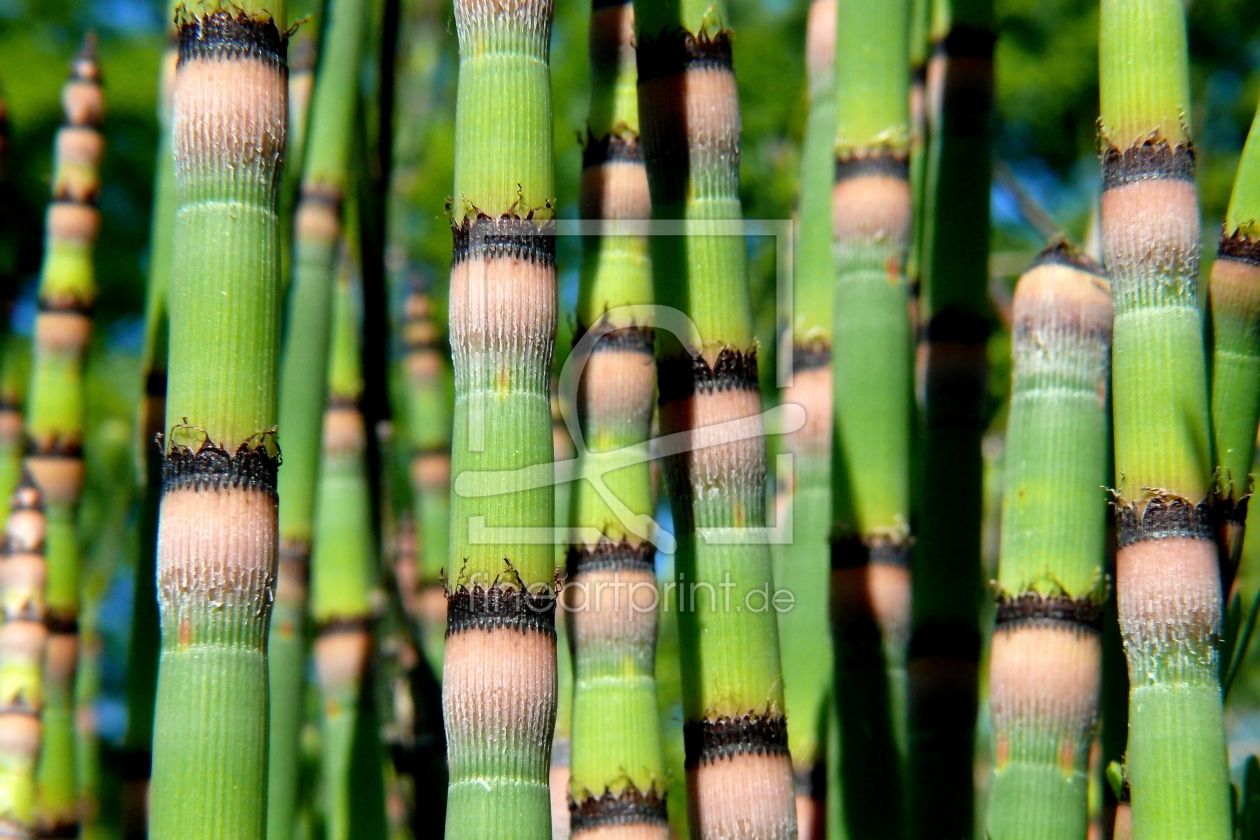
x=217 y=533
x=739 y=770
x=1167 y=572
x=23 y=641
x=1045 y=670
x=55 y=417
x=499 y=670
x=343 y=578
x=12 y=378
x=617 y=779
x=1234 y=296
x=142 y=654
x=873 y=373
x=801 y=567
x=304 y=384
x=942 y=661
x=426 y=364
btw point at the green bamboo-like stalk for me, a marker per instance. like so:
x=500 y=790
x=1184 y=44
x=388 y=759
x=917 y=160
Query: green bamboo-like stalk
x=23 y=638
x=343 y=577
x=1046 y=657
x=55 y=416
x=873 y=372
x=617 y=773
x=739 y=770
x=801 y=567
x=142 y=655
x=1234 y=298
x=500 y=638
x=945 y=642
x=1168 y=576
x=303 y=382
x=217 y=533
x=12 y=378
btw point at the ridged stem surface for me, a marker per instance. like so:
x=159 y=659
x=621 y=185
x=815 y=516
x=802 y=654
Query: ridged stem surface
x=1168 y=574
x=739 y=771
x=1046 y=656
x=617 y=778
x=499 y=669
x=217 y=532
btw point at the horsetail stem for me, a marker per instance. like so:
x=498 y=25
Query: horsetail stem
x=217 y=532
x=1045 y=672
x=23 y=640
x=325 y=182
x=739 y=770
x=617 y=773
x=1234 y=295
x=1168 y=576
x=500 y=637
x=801 y=566
x=343 y=577
x=55 y=416
x=942 y=660
x=873 y=370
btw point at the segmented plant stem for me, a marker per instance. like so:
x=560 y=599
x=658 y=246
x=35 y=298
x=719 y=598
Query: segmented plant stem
x=945 y=642
x=55 y=416
x=1234 y=298
x=739 y=770
x=499 y=670
x=304 y=382
x=873 y=369
x=344 y=566
x=617 y=779
x=801 y=567
x=23 y=642
x=217 y=532
x=1045 y=671
x=1167 y=572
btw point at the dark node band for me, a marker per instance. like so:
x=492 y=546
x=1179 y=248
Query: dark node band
x=596 y=5
x=224 y=35
x=1239 y=246
x=1154 y=160
x=886 y=164
x=609 y=556
x=443 y=449
x=329 y=197
x=344 y=624
x=1227 y=511
x=155 y=383
x=65 y=304
x=945 y=640
x=507 y=237
x=620 y=340
x=211 y=467
x=342 y=402
x=1064 y=253
x=680 y=377
x=853 y=552
x=295 y=553
x=677 y=51
x=707 y=741
x=61 y=623
x=1034 y=609
x=630 y=807
x=611 y=148
x=953 y=325
x=810 y=356
x=811 y=781
x=69 y=448
x=60 y=831
x=499 y=608
x=1164 y=517
x=135 y=765
x=967 y=42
